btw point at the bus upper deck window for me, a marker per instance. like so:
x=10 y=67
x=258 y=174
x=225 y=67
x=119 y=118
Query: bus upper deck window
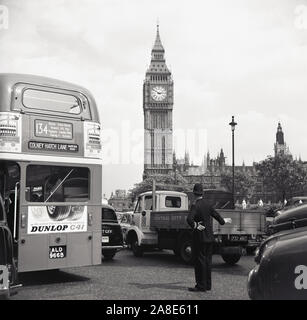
x=51 y=101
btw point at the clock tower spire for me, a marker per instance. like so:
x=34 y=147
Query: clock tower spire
x=158 y=113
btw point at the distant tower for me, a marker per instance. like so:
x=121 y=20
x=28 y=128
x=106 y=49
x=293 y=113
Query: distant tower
x=222 y=159
x=280 y=146
x=158 y=114
x=186 y=159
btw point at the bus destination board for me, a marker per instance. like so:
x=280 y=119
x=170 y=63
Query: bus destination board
x=53 y=146
x=53 y=129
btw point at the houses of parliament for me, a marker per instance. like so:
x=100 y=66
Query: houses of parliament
x=159 y=157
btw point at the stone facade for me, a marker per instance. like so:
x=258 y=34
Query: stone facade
x=120 y=201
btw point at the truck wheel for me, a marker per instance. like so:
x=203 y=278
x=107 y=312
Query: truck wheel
x=231 y=259
x=109 y=254
x=136 y=249
x=185 y=250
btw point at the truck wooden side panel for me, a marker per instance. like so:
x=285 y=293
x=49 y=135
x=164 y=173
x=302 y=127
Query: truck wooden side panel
x=169 y=220
x=243 y=221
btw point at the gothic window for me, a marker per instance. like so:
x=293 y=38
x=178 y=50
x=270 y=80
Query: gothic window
x=163 y=150
x=152 y=148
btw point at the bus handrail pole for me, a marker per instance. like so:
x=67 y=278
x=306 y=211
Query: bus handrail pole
x=15 y=209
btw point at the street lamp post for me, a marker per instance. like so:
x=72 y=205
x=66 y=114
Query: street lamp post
x=233 y=126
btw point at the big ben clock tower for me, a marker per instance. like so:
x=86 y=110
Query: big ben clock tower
x=158 y=114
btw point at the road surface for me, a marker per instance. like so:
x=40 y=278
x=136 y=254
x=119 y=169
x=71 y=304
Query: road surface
x=158 y=275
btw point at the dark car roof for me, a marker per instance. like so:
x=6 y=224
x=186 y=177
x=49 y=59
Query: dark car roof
x=297 y=198
x=295 y=213
x=107 y=206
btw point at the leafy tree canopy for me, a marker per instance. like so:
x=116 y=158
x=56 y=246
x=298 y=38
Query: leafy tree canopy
x=282 y=174
x=245 y=182
x=163 y=182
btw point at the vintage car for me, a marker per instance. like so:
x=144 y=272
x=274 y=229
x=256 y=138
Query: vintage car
x=112 y=236
x=295 y=201
x=281 y=270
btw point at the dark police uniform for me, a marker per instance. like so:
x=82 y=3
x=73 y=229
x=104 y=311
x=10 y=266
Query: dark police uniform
x=202 y=241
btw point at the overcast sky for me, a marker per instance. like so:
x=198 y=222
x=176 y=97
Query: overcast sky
x=239 y=57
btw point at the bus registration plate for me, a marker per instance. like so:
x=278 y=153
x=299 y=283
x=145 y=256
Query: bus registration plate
x=57 y=252
x=105 y=239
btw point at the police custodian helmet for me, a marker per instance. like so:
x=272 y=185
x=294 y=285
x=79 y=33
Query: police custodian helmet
x=198 y=189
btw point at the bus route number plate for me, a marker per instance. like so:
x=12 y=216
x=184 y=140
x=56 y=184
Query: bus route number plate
x=57 y=252
x=53 y=129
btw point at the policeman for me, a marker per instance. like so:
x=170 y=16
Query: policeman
x=200 y=220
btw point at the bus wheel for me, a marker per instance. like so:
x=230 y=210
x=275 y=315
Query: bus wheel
x=186 y=250
x=58 y=213
x=136 y=249
x=231 y=259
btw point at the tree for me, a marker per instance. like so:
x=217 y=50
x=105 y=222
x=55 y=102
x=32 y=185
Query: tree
x=245 y=183
x=163 y=182
x=282 y=174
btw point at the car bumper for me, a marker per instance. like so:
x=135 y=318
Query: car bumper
x=253 y=243
x=113 y=247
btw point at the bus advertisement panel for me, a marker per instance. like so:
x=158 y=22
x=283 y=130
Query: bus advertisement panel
x=41 y=219
x=10 y=132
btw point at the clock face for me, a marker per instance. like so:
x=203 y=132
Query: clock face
x=158 y=93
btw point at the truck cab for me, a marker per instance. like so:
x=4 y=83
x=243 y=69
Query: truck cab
x=141 y=235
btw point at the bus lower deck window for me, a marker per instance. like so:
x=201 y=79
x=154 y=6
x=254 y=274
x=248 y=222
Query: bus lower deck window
x=57 y=184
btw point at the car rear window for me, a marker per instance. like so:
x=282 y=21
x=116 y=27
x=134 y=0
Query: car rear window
x=108 y=214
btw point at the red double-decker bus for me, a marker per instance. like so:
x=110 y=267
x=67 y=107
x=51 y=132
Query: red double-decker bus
x=50 y=172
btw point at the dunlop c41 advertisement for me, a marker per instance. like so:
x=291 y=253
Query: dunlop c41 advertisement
x=57 y=219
